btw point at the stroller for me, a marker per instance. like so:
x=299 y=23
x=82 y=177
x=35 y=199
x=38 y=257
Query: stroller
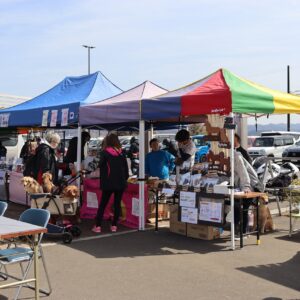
x=61 y=207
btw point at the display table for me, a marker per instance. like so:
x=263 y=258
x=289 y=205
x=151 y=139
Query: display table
x=17 y=193
x=240 y=197
x=129 y=204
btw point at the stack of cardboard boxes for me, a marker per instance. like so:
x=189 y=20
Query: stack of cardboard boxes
x=203 y=232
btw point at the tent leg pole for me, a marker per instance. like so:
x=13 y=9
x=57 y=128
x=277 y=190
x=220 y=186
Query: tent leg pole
x=142 y=175
x=232 y=184
x=79 y=142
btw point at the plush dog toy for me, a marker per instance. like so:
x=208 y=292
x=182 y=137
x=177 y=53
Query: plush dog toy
x=31 y=186
x=48 y=185
x=70 y=192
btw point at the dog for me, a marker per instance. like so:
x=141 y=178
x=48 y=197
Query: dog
x=265 y=218
x=70 y=192
x=31 y=186
x=48 y=185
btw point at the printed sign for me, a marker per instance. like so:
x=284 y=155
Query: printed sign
x=135 y=211
x=168 y=192
x=64 y=116
x=188 y=199
x=45 y=118
x=53 y=118
x=189 y=215
x=210 y=210
x=4 y=118
x=92 y=200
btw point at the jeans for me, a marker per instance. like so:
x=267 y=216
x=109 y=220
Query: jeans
x=104 y=201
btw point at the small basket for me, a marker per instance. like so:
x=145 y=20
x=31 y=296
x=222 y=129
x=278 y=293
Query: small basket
x=56 y=205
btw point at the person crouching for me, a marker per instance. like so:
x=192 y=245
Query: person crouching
x=113 y=179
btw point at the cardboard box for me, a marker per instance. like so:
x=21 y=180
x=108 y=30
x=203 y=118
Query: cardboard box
x=203 y=232
x=163 y=211
x=175 y=225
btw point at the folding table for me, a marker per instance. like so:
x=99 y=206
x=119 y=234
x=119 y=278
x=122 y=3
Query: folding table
x=10 y=228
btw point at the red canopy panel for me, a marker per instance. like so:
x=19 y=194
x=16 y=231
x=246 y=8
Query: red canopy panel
x=212 y=97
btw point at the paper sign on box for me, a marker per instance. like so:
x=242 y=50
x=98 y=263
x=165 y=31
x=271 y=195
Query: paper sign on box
x=92 y=200
x=135 y=207
x=210 y=211
x=189 y=215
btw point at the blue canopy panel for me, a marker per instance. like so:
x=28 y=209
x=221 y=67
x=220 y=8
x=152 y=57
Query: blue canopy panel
x=163 y=108
x=65 y=98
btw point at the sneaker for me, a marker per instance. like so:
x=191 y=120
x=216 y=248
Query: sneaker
x=113 y=228
x=96 y=229
x=237 y=237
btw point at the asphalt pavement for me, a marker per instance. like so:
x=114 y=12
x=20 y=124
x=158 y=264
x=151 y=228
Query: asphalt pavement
x=163 y=265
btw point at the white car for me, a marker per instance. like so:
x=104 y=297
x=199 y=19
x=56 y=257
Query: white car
x=272 y=146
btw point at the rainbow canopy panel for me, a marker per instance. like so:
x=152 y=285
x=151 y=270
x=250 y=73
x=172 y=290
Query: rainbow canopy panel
x=219 y=93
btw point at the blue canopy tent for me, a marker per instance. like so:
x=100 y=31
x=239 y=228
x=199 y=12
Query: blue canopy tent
x=59 y=106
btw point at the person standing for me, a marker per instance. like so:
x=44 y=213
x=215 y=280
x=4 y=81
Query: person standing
x=186 y=150
x=246 y=180
x=170 y=146
x=71 y=155
x=159 y=163
x=45 y=158
x=113 y=180
x=3 y=150
x=239 y=148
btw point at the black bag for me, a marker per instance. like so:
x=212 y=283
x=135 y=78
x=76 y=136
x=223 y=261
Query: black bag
x=31 y=167
x=281 y=180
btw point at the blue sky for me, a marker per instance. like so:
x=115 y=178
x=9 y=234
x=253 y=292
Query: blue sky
x=171 y=43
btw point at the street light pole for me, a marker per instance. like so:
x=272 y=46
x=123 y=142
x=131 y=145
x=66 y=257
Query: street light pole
x=89 y=56
x=288 y=90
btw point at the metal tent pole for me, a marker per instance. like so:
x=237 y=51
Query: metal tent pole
x=232 y=184
x=142 y=175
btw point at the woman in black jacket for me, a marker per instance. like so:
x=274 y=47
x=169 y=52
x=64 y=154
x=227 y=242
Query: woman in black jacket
x=113 y=179
x=46 y=159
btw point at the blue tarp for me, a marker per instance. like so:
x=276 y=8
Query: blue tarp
x=65 y=98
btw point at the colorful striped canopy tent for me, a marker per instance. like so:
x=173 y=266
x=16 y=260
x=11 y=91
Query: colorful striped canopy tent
x=219 y=93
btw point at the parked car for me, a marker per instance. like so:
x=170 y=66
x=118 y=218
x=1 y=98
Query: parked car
x=292 y=154
x=13 y=143
x=202 y=147
x=251 y=139
x=272 y=146
x=294 y=134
